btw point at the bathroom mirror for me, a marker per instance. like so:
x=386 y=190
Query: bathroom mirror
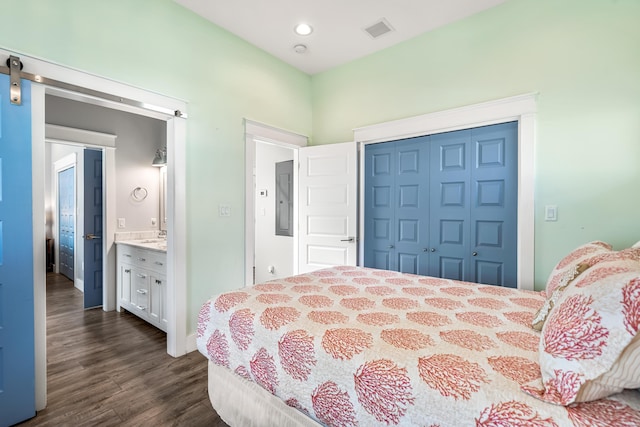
x=163 y=198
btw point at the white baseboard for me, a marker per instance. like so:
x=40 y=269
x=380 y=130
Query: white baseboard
x=79 y=284
x=191 y=343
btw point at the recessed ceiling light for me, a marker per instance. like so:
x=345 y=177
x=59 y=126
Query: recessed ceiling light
x=303 y=29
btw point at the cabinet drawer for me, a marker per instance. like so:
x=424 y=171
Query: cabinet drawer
x=157 y=261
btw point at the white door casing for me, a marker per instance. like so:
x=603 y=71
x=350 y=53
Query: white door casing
x=176 y=206
x=327 y=209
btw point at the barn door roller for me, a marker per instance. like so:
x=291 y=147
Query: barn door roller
x=15 y=92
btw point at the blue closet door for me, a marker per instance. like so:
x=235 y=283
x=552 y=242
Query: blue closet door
x=397 y=205
x=445 y=205
x=494 y=213
x=450 y=205
x=412 y=206
x=379 y=208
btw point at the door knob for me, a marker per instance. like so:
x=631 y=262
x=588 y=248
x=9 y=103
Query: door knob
x=433 y=249
x=475 y=254
x=91 y=237
x=350 y=239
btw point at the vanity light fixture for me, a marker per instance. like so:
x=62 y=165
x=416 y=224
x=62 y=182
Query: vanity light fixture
x=303 y=29
x=161 y=157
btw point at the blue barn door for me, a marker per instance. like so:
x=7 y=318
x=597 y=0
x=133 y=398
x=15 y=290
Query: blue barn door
x=92 y=228
x=17 y=370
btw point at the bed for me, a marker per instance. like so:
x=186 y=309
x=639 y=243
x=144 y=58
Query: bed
x=352 y=346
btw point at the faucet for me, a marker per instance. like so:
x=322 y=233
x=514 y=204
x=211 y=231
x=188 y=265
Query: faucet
x=162 y=233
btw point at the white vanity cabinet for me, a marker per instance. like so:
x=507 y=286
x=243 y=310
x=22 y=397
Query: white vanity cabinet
x=141 y=282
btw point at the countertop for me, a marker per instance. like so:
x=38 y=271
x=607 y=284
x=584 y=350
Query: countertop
x=158 y=245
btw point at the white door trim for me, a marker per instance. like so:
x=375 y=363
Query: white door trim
x=520 y=108
x=260 y=132
x=176 y=198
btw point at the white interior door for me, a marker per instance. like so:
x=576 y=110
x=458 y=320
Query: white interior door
x=327 y=211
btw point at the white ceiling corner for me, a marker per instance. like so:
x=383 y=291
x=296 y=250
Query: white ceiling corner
x=338 y=25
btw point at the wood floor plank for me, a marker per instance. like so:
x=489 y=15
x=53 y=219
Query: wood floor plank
x=109 y=368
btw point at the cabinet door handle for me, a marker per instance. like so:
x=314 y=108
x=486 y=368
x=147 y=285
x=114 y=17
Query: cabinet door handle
x=158 y=263
x=142 y=291
x=142 y=276
x=127 y=271
x=141 y=259
x=139 y=307
x=391 y=246
x=475 y=254
x=159 y=282
x=127 y=255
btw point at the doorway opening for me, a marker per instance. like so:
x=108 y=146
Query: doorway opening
x=54 y=80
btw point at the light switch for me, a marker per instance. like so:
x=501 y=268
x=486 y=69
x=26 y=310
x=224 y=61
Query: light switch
x=551 y=213
x=121 y=223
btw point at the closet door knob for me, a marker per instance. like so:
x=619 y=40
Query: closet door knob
x=475 y=254
x=433 y=249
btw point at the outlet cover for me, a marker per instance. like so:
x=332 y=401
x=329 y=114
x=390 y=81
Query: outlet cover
x=224 y=210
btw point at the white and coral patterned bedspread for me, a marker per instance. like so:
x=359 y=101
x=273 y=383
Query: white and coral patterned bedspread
x=353 y=346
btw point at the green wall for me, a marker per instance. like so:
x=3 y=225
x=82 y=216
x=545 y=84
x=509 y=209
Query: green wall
x=583 y=59
x=160 y=46
x=581 y=56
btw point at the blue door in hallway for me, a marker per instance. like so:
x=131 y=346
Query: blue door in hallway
x=445 y=205
x=92 y=228
x=17 y=377
x=67 y=221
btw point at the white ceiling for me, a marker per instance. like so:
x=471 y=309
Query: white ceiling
x=338 y=35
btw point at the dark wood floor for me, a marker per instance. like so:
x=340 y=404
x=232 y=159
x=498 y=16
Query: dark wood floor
x=109 y=368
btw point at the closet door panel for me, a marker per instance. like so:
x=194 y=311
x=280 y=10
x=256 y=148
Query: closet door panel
x=379 y=200
x=494 y=206
x=412 y=205
x=450 y=170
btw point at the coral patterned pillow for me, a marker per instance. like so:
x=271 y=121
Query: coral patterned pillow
x=588 y=345
x=552 y=299
x=567 y=269
x=571 y=260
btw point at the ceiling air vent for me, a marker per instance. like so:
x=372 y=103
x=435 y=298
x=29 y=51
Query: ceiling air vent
x=378 y=29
